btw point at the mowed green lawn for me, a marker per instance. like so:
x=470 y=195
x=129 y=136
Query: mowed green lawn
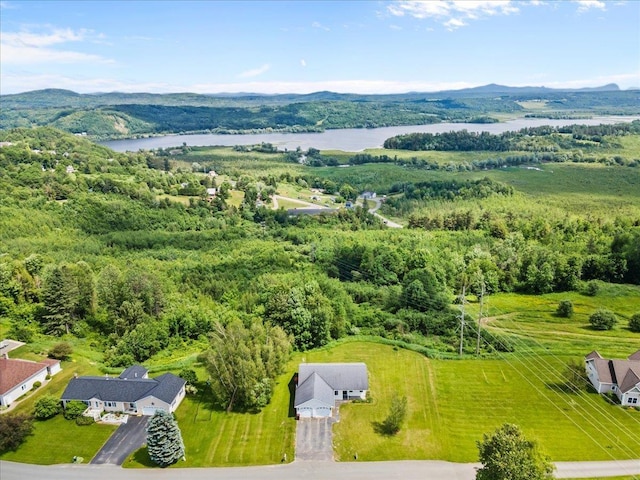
x=213 y=437
x=452 y=403
x=58 y=440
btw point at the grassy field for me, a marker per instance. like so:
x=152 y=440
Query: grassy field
x=531 y=322
x=452 y=403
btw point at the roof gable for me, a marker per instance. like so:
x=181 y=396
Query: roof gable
x=314 y=387
x=635 y=356
x=14 y=372
x=134 y=371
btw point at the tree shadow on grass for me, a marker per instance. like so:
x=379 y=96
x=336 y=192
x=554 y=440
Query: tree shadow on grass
x=562 y=387
x=292 y=395
x=384 y=428
x=141 y=457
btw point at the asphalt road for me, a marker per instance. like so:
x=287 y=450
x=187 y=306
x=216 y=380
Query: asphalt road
x=308 y=470
x=123 y=442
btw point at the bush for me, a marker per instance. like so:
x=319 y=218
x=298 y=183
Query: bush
x=188 y=376
x=13 y=430
x=61 y=351
x=565 y=309
x=46 y=407
x=592 y=288
x=36 y=384
x=74 y=409
x=634 y=323
x=81 y=420
x=397 y=412
x=602 y=319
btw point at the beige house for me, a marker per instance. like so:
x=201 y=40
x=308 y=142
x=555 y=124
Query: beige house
x=621 y=377
x=132 y=392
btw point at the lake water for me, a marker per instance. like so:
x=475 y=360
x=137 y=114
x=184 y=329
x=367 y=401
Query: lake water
x=348 y=140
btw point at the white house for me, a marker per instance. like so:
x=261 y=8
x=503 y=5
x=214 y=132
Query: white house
x=621 y=377
x=319 y=385
x=17 y=377
x=132 y=392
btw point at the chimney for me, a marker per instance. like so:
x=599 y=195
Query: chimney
x=75 y=374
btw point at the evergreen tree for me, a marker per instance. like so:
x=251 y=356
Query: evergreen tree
x=61 y=297
x=164 y=440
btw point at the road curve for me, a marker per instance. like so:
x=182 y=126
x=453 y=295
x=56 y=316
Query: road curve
x=401 y=470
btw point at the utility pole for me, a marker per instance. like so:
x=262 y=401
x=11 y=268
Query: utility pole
x=464 y=300
x=480 y=318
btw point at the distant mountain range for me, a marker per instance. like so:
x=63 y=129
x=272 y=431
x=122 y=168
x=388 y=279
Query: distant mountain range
x=53 y=97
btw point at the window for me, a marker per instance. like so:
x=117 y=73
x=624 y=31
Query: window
x=23 y=387
x=633 y=400
x=335 y=393
x=110 y=404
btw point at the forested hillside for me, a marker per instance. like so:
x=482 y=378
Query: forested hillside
x=121 y=115
x=128 y=253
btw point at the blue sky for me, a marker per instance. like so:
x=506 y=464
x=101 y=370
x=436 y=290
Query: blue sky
x=304 y=46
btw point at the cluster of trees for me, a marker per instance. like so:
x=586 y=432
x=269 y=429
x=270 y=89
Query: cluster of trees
x=136 y=273
x=555 y=138
x=243 y=363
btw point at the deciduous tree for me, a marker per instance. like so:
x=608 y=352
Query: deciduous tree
x=507 y=455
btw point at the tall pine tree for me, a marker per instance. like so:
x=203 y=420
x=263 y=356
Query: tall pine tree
x=164 y=440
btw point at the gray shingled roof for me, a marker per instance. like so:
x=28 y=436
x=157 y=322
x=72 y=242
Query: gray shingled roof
x=134 y=371
x=339 y=376
x=314 y=387
x=165 y=387
x=624 y=373
x=627 y=374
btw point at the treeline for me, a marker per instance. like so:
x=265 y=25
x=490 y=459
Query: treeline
x=465 y=141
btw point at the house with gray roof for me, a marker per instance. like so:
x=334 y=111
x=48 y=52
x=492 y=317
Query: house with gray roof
x=132 y=392
x=621 y=377
x=320 y=385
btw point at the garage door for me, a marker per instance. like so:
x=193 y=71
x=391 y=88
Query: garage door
x=322 y=412
x=150 y=410
x=305 y=412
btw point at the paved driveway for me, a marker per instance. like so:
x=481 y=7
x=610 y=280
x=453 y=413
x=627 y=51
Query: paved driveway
x=127 y=438
x=314 y=440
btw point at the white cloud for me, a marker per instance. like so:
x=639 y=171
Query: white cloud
x=256 y=71
x=303 y=62
x=25 y=47
x=395 y=27
x=452 y=13
x=320 y=26
x=585 y=5
x=7 y=6
x=454 y=23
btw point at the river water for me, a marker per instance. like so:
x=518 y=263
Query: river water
x=349 y=139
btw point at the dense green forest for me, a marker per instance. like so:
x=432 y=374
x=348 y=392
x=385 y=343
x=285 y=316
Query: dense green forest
x=120 y=115
x=130 y=254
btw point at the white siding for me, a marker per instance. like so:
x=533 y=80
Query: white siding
x=12 y=395
x=151 y=403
